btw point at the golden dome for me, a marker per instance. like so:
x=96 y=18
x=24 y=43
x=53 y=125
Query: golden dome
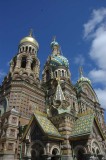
x=29 y=39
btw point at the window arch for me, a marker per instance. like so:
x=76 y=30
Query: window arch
x=56 y=73
x=55 y=151
x=62 y=73
x=23 y=62
x=95 y=147
x=23 y=48
x=26 y=48
x=33 y=50
x=33 y=64
x=29 y=49
x=59 y=73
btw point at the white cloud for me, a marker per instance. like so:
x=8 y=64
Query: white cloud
x=80 y=60
x=98 y=76
x=95 y=30
x=101 y=93
x=96 y=18
x=98 y=48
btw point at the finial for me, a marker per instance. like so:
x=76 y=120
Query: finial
x=81 y=71
x=31 y=32
x=54 y=38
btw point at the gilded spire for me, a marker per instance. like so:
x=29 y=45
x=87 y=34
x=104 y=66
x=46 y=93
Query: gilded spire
x=31 y=32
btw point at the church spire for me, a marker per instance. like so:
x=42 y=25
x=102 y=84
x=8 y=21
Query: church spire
x=81 y=71
x=82 y=78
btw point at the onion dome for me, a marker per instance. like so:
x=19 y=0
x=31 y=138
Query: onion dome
x=59 y=60
x=56 y=58
x=82 y=78
x=29 y=39
x=54 y=43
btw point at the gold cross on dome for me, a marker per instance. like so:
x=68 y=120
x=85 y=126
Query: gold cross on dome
x=31 y=32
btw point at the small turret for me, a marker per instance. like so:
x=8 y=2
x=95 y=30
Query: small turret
x=56 y=65
x=82 y=78
x=26 y=64
x=55 y=47
x=28 y=44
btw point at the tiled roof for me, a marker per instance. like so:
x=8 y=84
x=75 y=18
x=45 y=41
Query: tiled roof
x=47 y=125
x=59 y=61
x=83 y=125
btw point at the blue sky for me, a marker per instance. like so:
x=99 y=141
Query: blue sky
x=80 y=28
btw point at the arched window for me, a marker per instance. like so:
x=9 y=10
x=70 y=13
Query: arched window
x=33 y=50
x=23 y=48
x=26 y=48
x=97 y=151
x=29 y=49
x=56 y=73
x=23 y=62
x=74 y=105
x=59 y=73
x=93 y=150
x=62 y=73
x=55 y=151
x=33 y=64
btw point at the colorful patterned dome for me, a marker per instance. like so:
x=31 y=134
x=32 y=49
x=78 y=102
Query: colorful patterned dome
x=59 y=60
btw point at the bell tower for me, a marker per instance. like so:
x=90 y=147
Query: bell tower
x=26 y=64
x=22 y=88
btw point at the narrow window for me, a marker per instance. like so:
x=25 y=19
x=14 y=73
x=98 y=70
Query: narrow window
x=29 y=49
x=26 y=48
x=33 y=64
x=56 y=73
x=23 y=62
x=62 y=73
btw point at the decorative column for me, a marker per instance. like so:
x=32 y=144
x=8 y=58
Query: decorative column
x=28 y=65
x=47 y=148
x=18 y=63
x=65 y=130
x=28 y=150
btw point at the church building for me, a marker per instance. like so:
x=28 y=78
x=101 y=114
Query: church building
x=49 y=118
